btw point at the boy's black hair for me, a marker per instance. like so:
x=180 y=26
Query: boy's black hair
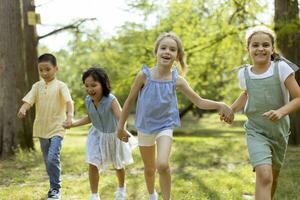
x=47 y=57
x=100 y=76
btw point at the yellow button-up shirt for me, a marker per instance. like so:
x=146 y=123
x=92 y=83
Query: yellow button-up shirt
x=50 y=107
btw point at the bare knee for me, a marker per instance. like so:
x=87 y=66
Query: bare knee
x=163 y=167
x=120 y=170
x=265 y=178
x=93 y=168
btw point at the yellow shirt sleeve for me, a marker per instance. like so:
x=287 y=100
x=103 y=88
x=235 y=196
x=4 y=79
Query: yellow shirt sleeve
x=64 y=91
x=30 y=97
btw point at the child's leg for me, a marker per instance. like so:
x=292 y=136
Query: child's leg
x=275 y=181
x=52 y=159
x=120 y=194
x=45 y=143
x=164 y=144
x=264 y=179
x=148 y=157
x=121 y=177
x=94 y=178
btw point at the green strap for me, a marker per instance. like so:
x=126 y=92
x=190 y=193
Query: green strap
x=292 y=65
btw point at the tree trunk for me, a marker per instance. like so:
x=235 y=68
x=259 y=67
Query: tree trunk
x=11 y=76
x=30 y=39
x=31 y=72
x=288 y=32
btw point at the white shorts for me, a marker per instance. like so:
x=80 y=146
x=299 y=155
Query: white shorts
x=150 y=139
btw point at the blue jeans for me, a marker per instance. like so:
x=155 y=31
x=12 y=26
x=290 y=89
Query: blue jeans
x=51 y=152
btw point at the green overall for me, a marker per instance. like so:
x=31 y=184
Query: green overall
x=266 y=140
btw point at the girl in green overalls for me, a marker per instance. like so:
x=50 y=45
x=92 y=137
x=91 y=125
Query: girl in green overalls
x=267 y=85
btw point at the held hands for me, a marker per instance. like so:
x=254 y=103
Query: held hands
x=273 y=115
x=123 y=135
x=68 y=123
x=226 y=113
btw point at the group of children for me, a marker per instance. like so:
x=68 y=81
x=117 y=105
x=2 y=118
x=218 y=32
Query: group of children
x=266 y=85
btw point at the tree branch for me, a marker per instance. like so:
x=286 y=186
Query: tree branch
x=216 y=40
x=74 y=25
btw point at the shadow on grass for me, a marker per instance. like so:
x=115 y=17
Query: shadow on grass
x=207 y=133
x=183 y=172
x=23 y=164
x=194 y=159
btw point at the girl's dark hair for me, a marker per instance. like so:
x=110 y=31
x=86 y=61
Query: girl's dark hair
x=99 y=75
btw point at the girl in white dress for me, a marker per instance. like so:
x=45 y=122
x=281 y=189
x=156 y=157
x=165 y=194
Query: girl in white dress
x=103 y=146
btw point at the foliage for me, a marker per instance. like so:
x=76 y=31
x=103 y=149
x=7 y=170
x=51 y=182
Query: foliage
x=212 y=33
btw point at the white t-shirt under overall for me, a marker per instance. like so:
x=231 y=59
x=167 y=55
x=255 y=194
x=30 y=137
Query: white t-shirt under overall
x=284 y=71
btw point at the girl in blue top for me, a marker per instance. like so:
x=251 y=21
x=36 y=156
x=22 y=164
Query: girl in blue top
x=157 y=112
x=103 y=146
x=267 y=85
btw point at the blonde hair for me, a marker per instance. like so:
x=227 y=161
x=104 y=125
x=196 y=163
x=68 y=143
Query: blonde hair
x=180 y=50
x=265 y=30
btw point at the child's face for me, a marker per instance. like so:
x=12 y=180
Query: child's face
x=47 y=71
x=93 y=88
x=260 y=48
x=167 y=52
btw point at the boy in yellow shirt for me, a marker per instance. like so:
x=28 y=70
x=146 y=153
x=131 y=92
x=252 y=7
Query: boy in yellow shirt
x=54 y=106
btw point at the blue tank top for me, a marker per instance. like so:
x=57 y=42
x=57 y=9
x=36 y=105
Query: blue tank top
x=102 y=116
x=157 y=105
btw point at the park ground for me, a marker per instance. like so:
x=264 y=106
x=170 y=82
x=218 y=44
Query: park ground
x=209 y=161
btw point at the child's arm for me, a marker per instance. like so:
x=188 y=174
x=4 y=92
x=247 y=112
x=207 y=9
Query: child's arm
x=70 y=114
x=131 y=99
x=79 y=122
x=28 y=101
x=22 y=112
x=202 y=103
x=294 y=90
x=240 y=102
x=124 y=135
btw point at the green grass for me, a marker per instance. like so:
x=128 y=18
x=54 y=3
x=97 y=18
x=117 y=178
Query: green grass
x=209 y=161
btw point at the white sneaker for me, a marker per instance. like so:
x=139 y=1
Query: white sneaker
x=153 y=196
x=120 y=194
x=95 y=196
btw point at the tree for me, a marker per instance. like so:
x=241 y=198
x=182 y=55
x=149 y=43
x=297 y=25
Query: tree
x=30 y=68
x=287 y=27
x=18 y=71
x=11 y=77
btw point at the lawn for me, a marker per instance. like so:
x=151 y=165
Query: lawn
x=209 y=161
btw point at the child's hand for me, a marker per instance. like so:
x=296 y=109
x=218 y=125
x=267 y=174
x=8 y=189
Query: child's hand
x=22 y=113
x=123 y=135
x=226 y=113
x=273 y=115
x=228 y=120
x=68 y=123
